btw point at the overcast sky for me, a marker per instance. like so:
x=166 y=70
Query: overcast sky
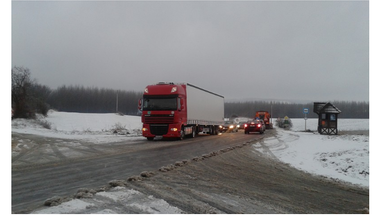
x=283 y=50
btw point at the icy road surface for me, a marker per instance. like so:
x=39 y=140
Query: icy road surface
x=234 y=188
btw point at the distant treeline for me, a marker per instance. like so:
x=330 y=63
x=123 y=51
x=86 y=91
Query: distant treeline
x=293 y=110
x=29 y=98
x=94 y=100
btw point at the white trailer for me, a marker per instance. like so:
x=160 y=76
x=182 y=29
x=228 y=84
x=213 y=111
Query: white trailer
x=204 y=108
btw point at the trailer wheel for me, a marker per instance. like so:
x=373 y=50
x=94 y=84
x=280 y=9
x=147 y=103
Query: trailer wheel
x=193 y=132
x=217 y=130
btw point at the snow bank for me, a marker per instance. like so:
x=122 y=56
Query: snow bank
x=94 y=128
x=343 y=124
x=343 y=157
x=115 y=201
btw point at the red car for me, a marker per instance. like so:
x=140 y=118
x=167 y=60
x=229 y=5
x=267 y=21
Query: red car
x=256 y=125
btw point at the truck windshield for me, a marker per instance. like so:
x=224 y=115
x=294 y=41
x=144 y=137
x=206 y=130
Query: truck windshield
x=162 y=103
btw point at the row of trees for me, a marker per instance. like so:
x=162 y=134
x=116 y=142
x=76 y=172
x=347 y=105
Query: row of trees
x=29 y=97
x=94 y=100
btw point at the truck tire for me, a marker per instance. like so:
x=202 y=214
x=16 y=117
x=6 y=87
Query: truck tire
x=182 y=134
x=193 y=132
x=216 y=130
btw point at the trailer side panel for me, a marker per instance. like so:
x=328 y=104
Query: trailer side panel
x=204 y=107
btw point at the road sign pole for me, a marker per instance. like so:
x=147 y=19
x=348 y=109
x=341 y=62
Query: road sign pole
x=305 y=121
x=305 y=111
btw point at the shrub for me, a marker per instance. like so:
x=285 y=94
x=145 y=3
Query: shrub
x=284 y=123
x=44 y=123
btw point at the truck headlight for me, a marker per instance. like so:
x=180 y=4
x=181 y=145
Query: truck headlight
x=145 y=129
x=174 y=129
x=231 y=126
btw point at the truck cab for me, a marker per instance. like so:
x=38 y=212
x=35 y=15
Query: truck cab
x=163 y=110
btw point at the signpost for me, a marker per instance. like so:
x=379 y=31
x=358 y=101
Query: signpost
x=305 y=111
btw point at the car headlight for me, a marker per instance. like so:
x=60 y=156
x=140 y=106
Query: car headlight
x=231 y=126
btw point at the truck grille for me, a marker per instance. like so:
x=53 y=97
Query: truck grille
x=164 y=119
x=160 y=129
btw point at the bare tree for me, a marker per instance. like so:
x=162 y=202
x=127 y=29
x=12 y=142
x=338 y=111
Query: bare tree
x=20 y=84
x=28 y=97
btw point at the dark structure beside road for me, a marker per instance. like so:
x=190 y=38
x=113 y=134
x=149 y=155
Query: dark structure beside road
x=328 y=117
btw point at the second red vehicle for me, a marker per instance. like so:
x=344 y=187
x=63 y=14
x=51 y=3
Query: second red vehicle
x=256 y=125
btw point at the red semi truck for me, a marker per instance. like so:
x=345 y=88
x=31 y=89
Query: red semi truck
x=175 y=110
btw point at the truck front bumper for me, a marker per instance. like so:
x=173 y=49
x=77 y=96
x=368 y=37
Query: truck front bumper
x=161 y=130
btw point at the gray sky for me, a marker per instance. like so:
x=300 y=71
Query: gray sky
x=285 y=50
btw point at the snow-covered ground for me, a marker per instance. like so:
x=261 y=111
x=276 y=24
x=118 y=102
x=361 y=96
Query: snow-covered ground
x=94 y=128
x=115 y=201
x=343 y=157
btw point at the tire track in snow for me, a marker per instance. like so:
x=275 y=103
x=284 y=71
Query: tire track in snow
x=276 y=143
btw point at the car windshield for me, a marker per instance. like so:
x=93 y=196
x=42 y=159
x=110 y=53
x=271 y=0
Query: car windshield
x=228 y=122
x=163 y=103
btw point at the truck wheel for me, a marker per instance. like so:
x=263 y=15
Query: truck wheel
x=182 y=134
x=216 y=130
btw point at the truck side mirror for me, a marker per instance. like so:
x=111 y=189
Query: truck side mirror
x=140 y=104
x=181 y=106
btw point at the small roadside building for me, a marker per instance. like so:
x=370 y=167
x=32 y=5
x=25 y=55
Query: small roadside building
x=327 y=117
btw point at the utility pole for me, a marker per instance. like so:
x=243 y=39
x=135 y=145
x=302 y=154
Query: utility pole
x=117 y=102
x=271 y=116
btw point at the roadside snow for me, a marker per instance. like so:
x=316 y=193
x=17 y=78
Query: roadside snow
x=94 y=128
x=115 y=201
x=343 y=157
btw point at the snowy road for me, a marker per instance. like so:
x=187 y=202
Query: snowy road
x=54 y=168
